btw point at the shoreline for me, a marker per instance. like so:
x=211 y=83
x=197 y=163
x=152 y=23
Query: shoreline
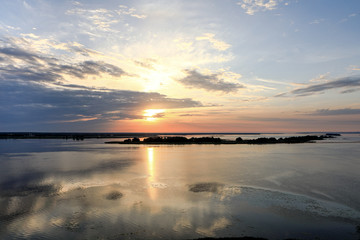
x=211 y=140
x=99 y=135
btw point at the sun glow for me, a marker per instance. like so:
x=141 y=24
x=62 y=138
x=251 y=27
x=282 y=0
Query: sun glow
x=153 y=114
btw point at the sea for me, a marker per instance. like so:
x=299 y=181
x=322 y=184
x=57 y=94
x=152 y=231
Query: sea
x=67 y=189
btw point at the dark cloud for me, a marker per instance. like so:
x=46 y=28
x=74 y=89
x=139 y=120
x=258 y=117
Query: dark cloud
x=346 y=82
x=276 y=119
x=32 y=103
x=39 y=67
x=351 y=90
x=80 y=70
x=211 y=82
x=33 y=93
x=281 y=95
x=83 y=51
x=28 y=73
x=191 y=115
x=344 y=111
x=18 y=53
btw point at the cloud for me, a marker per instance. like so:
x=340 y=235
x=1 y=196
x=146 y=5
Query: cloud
x=34 y=103
x=348 y=17
x=253 y=6
x=343 y=111
x=124 y=10
x=102 y=19
x=345 y=82
x=7 y=28
x=23 y=64
x=212 y=82
x=217 y=44
x=18 y=53
x=146 y=63
x=27 y=6
x=351 y=90
x=317 y=21
x=36 y=87
x=355 y=68
x=82 y=69
x=33 y=43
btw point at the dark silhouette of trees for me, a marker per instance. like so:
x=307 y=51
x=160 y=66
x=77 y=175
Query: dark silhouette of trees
x=212 y=140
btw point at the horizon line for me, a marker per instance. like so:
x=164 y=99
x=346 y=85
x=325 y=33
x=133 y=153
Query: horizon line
x=167 y=133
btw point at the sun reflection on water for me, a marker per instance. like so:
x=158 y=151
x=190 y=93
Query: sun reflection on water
x=151 y=172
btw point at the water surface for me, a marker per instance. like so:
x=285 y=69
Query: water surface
x=89 y=190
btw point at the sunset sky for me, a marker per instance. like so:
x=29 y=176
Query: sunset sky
x=180 y=65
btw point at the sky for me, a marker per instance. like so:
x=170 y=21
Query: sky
x=180 y=65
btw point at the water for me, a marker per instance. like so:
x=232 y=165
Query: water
x=91 y=190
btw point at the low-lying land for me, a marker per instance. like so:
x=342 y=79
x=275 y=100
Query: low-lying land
x=212 y=140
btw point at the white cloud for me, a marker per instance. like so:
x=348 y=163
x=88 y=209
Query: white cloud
x=317 y=21
x=76 y=3
x=103 y=18
x=348 y=17
x=27 y=6
x=29 y=35
x=124 y=10
x=253 y=6
x=217 y=44
x=7 y=28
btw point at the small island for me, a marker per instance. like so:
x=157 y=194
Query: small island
x=212 y=140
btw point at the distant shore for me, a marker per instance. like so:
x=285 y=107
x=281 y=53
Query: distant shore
x=212 y=140
x=89 y=135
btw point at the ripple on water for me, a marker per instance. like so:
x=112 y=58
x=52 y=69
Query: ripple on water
x=266 y=198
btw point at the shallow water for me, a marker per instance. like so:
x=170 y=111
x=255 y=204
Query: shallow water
x=89 y=190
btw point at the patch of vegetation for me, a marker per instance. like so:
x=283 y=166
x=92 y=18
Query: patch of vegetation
x=212 y=140
x=206 y=187
x=114 y=195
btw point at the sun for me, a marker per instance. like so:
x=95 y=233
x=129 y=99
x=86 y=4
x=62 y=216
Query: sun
x=153 y=114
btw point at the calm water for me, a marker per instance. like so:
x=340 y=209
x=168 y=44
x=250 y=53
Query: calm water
x=90 y=190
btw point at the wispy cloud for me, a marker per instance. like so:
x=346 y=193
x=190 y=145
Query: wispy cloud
x=146 y=63
x=211 y=82
x=102 y=19
x=7 y=28
x=331 y=112
x=217 y=44
x=273 y=81
x=23 y=64
x=35 y=44
x=347 y=83
x=253 y=6
x=317 y=21
x=124 y=10
x=27 y=6
x=348 y=17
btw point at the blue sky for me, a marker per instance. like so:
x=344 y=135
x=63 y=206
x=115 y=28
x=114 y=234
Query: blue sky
x=180 y=66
